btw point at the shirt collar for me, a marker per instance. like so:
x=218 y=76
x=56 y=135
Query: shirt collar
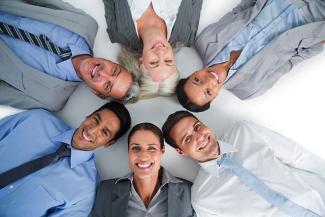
x=77 y=156
x=67 y=64
x=212 y=165
x=166 y=178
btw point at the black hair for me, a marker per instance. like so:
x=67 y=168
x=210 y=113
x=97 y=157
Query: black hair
x=171 y=121
x=185 y=101
x=123 y=115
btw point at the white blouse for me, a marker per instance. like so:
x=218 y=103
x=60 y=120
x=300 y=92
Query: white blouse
x=165 y=9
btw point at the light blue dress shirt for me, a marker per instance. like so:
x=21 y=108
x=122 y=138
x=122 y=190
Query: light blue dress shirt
x=40 y=58
x=276 y=17
x=65 y=188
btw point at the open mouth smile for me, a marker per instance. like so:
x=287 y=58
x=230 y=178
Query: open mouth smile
x=95 y=71
x=158 y=45
x=86 y=136
x=204 y=144
x=144 y=165
x=215 y=76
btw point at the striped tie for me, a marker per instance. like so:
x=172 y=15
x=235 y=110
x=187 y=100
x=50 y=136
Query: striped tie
x=40 y=41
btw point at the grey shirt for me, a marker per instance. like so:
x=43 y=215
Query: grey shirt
x=158 y=206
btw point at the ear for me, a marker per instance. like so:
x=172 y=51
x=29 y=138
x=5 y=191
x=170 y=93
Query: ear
x=163 y=150
x=111 y=142
x=140 y=61
x=180 y=151
x=102 y=96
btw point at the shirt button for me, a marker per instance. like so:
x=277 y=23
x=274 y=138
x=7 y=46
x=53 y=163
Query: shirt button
x=11 y=187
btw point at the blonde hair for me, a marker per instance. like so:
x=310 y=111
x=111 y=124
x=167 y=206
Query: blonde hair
x=148 y=88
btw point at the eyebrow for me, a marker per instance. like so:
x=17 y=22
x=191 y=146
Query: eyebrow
x=98 y=116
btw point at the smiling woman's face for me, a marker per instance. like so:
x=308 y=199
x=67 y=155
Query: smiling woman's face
x=145 y=153
x=158 y=60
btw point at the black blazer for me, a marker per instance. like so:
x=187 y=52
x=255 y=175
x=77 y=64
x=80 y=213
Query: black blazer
x=121 y=29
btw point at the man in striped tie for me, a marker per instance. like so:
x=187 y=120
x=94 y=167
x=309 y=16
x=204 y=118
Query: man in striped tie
x=250 y=171
x=46 y=51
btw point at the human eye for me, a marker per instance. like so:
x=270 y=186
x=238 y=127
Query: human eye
x=187 y=139
x=106 y=132
x=196 y=80
x=152 y=148
x=108 y=86
x=169 y=62
x=96 y=119
x=116 y=70
x=153 y=63
x=135 y=148
x=197 y=127
x=208 y=92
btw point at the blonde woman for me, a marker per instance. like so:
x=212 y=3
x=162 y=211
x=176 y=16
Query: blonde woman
x=149 y=30
x=149 y=190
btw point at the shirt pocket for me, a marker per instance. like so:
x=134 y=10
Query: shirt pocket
x=35 y=201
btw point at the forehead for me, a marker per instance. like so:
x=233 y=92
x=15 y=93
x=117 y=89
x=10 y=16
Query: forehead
x=195 y=93
x=144 y=136
x=182 y=127
x=109 y=120
x=122 y=84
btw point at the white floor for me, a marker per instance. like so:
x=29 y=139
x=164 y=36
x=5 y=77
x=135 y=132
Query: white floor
x=294 y=107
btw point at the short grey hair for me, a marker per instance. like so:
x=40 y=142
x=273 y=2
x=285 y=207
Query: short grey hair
x=148 y=88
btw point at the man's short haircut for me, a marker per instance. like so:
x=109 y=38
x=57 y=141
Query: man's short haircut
x=171 y=121
x=149 y=127
x=185 y=101
x=123 y=115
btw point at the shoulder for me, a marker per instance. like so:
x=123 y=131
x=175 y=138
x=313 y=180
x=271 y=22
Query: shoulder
x=36 y=115
x=110 y=184
x=240 y=127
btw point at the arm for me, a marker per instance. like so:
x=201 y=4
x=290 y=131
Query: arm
x=80 y=209
x=7 y=124
x=100 y=202
x=290 y=152
x=18 y=99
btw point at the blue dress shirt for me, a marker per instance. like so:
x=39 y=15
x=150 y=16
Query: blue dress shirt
x=276 y=17
x=40 y=58
x=65 y=188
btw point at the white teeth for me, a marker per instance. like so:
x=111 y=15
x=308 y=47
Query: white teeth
x=215 y=75
x=144 y=165
x=94 y=71
x=86 y=137
x=204 y=144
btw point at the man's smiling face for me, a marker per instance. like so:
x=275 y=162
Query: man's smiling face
x=97 y=130
x=104 y=77
x=194 y=139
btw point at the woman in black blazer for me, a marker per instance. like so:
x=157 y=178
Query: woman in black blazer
x=149 y=189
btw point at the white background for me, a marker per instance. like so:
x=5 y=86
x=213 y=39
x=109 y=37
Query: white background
x=294 y=107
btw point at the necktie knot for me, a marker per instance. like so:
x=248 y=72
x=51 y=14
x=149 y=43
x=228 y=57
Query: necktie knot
x=63 y=151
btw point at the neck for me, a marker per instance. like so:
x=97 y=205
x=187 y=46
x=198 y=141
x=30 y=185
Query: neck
x=76 y=62
x=147 y=187
x=151 y=26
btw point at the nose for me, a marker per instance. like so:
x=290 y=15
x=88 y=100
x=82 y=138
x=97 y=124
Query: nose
x=143 y=156
x=93 y=130
x=199 y=137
